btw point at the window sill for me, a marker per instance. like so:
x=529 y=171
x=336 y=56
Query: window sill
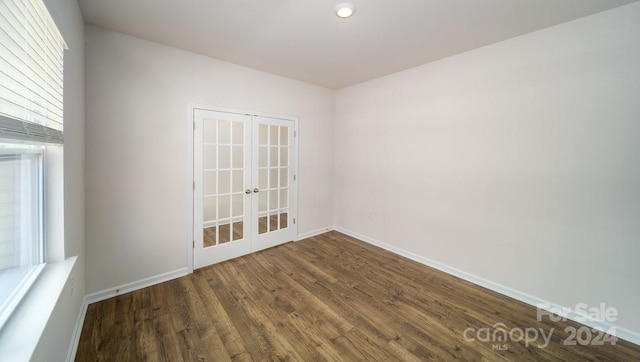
x=21 y=333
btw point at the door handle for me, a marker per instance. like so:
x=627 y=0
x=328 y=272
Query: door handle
x=256 y=190
x=247 y=191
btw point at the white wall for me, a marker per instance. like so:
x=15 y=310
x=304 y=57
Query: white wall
x=137 y=182
x=517 y=162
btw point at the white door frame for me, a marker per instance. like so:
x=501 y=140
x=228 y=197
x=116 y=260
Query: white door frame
x=190 y=169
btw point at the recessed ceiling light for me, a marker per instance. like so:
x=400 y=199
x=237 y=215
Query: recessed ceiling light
x=345 y=10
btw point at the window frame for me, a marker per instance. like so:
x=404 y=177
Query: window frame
x=37 y=184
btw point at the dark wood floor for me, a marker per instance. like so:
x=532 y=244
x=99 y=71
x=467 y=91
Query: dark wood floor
x=329 y=297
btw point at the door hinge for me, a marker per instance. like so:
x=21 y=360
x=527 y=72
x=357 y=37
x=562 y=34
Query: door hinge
x=194 y=244
x=295 y=133
x=294 y=221
x=294 y=177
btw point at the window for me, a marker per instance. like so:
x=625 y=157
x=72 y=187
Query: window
x=31 y=121
x=21 y=246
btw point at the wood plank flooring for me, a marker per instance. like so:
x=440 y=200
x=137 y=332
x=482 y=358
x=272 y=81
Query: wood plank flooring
x=326 y=298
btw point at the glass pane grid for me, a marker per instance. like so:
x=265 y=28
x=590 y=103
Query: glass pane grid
x=273 y=176
x=226 y=141
x=273 y=179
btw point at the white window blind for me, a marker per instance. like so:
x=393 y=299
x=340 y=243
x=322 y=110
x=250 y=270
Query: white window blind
x=31 y=72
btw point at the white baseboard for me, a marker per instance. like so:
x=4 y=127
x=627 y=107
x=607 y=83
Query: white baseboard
x=130 y=287
x=569 y=313
x=77 y=331
x=315 y=232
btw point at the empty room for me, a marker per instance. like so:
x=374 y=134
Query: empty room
x=316 y=180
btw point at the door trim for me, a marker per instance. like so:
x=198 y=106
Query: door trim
x=192 y=107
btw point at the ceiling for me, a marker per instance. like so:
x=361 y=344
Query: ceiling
x=305 y=40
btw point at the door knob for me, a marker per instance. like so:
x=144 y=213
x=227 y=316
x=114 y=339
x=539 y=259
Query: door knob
x=256 y=190
x=247 y=191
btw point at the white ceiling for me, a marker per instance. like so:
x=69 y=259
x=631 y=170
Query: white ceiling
x=304 y=40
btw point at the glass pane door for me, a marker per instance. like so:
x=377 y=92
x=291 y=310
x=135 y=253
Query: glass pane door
x=222 y=176
x=272 y=173
x=244 y=184
x=223 y=181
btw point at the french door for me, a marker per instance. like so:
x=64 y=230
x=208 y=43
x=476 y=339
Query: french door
x=244 y=192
